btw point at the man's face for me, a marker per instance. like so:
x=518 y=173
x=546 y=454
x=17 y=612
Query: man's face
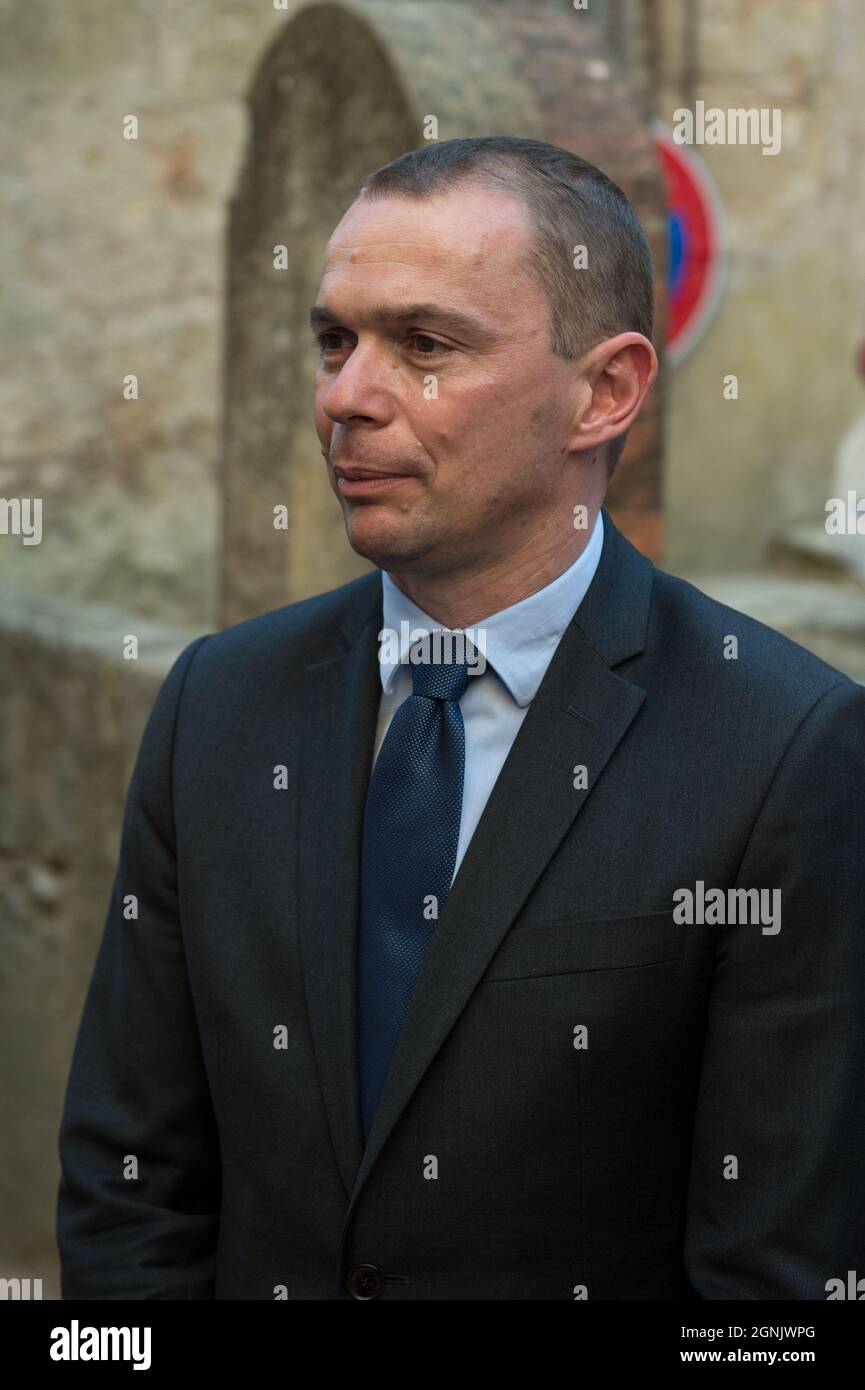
x=435 y=365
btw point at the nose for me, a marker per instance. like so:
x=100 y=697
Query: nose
x=359 y=391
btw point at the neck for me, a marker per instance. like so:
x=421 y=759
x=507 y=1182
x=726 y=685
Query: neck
x=464 y=598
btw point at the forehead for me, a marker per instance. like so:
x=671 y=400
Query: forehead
x=470 y=241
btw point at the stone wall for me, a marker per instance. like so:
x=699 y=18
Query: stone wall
x=114 y=265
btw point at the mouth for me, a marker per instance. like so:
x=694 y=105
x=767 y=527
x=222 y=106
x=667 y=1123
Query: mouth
x=358 y=482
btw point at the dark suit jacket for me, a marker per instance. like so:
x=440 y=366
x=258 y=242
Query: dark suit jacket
x=217 y=1044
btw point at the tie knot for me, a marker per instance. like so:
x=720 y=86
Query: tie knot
x=440 y=680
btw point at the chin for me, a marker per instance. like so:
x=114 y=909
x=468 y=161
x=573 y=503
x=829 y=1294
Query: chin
x=380 y=543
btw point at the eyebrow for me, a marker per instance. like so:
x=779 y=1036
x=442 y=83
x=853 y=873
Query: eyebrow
x=440 y=314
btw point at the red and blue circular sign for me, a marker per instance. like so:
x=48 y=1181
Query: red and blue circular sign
x=697 y=246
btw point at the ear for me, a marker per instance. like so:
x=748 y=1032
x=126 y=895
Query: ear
x=616 y=376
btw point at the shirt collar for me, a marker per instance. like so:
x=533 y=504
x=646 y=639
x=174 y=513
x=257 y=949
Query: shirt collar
x=520 y=640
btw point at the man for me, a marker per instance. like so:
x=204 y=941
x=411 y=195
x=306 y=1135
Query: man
x=527 y=969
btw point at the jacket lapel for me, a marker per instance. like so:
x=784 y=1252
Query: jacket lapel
x=580 y=713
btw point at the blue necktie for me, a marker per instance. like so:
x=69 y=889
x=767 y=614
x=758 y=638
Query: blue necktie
x=410 y=835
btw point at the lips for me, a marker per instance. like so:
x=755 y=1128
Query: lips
x=359 y=475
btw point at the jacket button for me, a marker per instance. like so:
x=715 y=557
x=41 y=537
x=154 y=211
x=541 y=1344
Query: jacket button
x=365 y=1281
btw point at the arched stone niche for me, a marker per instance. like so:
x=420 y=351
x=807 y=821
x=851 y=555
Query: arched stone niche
x=343 y=89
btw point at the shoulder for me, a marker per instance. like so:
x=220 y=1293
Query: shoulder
x=274 y=647
x=710 y=640
x=305 y=631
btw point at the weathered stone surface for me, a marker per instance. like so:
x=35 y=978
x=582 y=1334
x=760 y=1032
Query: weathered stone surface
x=112 y=262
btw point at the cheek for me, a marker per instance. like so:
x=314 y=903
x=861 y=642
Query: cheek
x=446 y=414
x=464 y=435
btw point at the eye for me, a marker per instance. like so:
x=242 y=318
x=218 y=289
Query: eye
x=433 y=345
x=322 y=340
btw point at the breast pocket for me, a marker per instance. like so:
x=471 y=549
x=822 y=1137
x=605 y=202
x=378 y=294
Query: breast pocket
x=561 y=948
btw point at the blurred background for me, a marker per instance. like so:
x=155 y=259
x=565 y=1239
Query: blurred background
x=157 y=370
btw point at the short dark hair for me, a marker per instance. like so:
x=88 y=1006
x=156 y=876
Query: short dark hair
x=570 y=204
